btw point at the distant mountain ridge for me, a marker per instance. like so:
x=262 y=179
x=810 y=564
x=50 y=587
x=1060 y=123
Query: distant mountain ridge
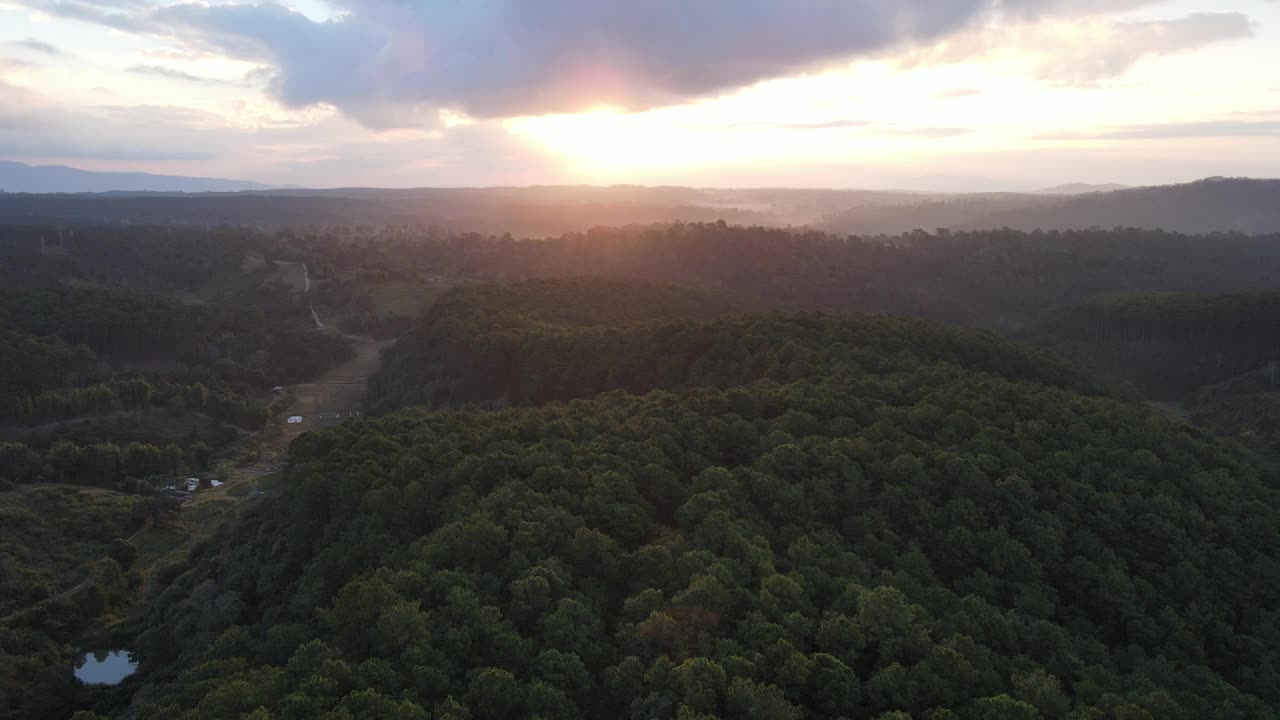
x=1212 y=205
x=1080 y=189
x=16 y=177
x=1206 y=206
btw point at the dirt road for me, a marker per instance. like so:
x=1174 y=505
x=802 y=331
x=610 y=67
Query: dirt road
x=304 y=287
x=337 y=393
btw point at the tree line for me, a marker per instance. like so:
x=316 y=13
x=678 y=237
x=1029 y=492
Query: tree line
x=104 y=464
x=133 y=395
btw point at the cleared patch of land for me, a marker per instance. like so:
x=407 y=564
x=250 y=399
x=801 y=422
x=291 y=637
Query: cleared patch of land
x=405 y=299
x=294 y=274
x=333 y=397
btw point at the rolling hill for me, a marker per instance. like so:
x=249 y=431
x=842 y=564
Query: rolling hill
x=1212 y=205
x=1215 y=205
x=21 y=178
x=806 y=517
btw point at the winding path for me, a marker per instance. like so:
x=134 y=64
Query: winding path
x=306 y=290
x=337 y=392
x=65 y=593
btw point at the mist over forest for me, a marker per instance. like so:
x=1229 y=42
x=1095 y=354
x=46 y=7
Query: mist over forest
x=1213 y=205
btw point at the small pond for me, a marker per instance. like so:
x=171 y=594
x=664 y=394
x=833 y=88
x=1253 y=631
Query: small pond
x=105 y=668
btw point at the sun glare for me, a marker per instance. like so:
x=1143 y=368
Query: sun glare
x=606 y=140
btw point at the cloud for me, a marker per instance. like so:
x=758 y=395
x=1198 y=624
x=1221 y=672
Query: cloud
x=172 y=74
x=872 y=127
x=1169 y=131
x=395 y=63
x=38 y=133
x=932 y=132
x=1082 y=51
x=1124 y=44
x=958 y=93
x=32 y=126
x=325 y=150
x=120 y=14
x=818 y=125
x=10 y=63
x=38 y=46
x=482 y=154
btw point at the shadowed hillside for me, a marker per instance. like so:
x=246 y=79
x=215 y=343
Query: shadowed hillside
x=1214 y=205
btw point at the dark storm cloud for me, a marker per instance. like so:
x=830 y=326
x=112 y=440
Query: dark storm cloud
x=382 y=61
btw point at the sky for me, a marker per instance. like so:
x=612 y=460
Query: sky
x=953 y=95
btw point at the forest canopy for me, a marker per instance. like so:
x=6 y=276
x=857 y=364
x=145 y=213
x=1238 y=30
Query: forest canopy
x=621 y=498
x=894 y=524
x=534 y=342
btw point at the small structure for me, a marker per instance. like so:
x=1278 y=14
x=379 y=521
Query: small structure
x=178 y=495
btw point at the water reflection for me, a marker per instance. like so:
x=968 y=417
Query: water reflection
x=105 y=668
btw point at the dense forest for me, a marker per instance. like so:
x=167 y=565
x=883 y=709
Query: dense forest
x=125 y=329
x=69 y=354
x=1170 y=344
x=1218 y=355
x=917 y=522
x=144 y=258
x=945 y=277
x=541 y=341
x=653 y=472
x=223 y=305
